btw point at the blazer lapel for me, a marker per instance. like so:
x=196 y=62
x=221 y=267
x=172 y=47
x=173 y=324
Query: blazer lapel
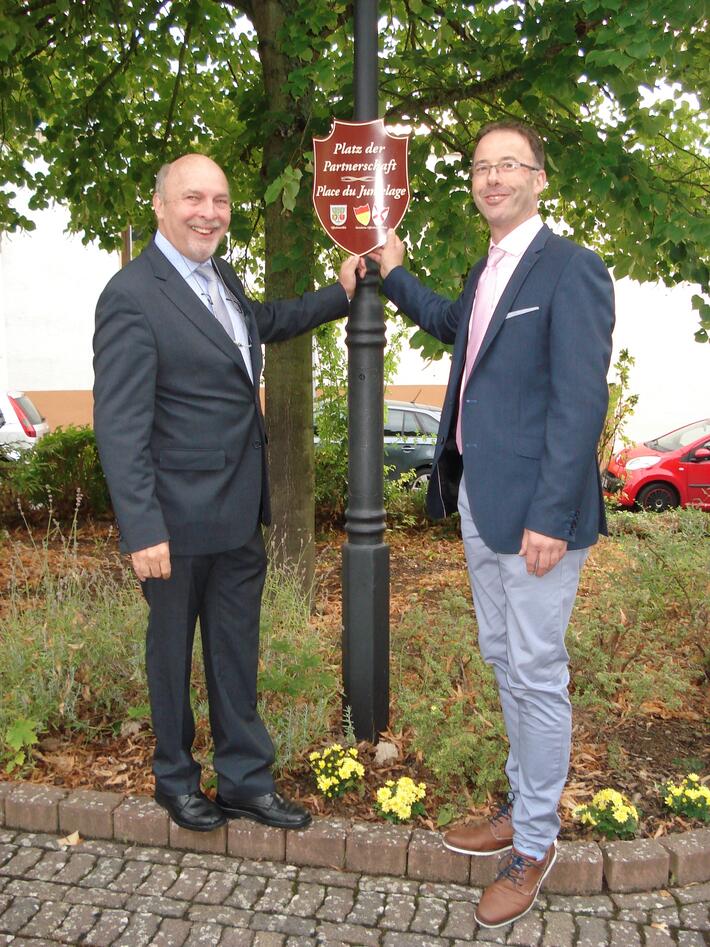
x=183 y=298
x=527 y=261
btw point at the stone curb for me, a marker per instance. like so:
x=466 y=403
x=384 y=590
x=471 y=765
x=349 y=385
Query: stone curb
x=582 y=868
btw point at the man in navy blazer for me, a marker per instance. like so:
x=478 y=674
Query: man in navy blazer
x=182 y=442
x=516 y=455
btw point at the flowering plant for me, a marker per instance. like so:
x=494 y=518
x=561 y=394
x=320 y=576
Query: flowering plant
x=399 y=802
x=609 y=813
x=688 y=798
x=337 y=771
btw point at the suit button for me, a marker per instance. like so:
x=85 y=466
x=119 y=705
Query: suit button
x=256 y=444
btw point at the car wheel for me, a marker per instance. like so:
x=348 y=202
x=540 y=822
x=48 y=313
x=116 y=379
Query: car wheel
x=421 y=481
x=656 y=497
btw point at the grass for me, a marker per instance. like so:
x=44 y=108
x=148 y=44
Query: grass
x=73 y=641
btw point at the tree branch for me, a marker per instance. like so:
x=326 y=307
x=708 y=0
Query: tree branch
x=176 y=87
x=692 y=154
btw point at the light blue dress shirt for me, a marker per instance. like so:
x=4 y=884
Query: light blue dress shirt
x=186 y=268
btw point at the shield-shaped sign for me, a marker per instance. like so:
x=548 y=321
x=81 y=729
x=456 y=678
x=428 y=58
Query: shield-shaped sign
x=360 y=183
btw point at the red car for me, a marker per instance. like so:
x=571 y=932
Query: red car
x=672 y=470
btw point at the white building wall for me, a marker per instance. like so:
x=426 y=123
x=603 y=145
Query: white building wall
x=4 y=363
x=672 y=371
x=49 y=284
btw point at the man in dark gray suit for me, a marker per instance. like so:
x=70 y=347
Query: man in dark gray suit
x=516 y=455
x=182 y=442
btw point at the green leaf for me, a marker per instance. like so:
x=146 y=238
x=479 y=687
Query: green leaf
x=446 y=815
x=22 y=733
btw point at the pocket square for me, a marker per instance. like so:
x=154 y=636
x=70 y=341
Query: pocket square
x=521 y=312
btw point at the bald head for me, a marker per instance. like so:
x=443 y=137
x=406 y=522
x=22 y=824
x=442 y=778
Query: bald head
x=181 y=166
x=191 y=203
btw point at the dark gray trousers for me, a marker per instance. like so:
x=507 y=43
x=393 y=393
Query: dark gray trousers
x=224 y=591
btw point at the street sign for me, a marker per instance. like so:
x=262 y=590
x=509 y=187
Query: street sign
x=360 y=183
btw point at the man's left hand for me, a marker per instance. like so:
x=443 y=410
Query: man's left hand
x=353 y=265
x=542 y=553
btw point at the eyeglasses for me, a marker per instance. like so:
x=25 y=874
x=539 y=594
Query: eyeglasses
x=504 y=167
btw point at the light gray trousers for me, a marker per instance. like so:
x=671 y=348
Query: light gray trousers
x=522 y=621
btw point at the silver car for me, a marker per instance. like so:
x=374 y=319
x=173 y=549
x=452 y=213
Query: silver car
x=410 y=439
x=21 y=424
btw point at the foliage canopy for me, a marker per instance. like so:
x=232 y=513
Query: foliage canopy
x=103 y=92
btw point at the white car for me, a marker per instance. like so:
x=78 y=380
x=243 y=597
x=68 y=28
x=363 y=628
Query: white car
x=21 y=424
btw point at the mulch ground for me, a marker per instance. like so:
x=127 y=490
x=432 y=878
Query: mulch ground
x=632 y=753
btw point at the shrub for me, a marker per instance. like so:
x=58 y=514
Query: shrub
x=643 y=635
x=62 y=473
x=689 y=798
x=336 y=771
x=73 y=641
x=610 y=814
x=447 y=697
x=400 y=801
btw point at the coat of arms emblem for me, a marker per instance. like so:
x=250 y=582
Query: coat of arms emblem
x=338 y=214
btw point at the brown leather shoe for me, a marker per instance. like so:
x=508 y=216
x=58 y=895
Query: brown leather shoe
x=491 y=837
x=513 y=892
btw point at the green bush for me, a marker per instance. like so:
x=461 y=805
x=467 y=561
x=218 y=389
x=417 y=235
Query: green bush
x=61 y=473
x=447 y=696
x=73 y=642
x=643 y=635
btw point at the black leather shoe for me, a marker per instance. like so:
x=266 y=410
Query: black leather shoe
x=271 y=809
x=192 y=811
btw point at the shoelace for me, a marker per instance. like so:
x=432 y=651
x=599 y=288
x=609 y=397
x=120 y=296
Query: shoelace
x=515 y=869
x=503 y=812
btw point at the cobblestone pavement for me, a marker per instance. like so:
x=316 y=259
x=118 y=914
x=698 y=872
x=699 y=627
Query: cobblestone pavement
x=103 y=893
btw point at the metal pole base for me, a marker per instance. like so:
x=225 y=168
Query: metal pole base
x=366 y=634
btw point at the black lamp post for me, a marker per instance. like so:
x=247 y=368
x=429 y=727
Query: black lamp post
x=365 y=555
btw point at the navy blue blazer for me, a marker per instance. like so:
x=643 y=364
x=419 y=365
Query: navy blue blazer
x=178 y=420
x=535 y=403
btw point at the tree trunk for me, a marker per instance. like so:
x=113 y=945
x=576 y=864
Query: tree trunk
x=288 y=371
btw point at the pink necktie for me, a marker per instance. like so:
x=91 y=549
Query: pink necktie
x=483 y=306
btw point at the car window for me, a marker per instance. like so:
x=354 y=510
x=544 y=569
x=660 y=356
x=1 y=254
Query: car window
x=682 y=437
x=393 y=422
x=31 y=413
x=410 y=424
x=427 y=423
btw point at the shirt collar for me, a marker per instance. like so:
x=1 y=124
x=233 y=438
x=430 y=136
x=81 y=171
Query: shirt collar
x=185 y=266
x=517 y=241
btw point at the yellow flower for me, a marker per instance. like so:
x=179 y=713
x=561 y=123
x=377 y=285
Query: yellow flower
x=693 y=777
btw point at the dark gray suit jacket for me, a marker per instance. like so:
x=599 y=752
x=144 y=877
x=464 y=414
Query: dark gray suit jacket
x=178 y=422
x=535 y=403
